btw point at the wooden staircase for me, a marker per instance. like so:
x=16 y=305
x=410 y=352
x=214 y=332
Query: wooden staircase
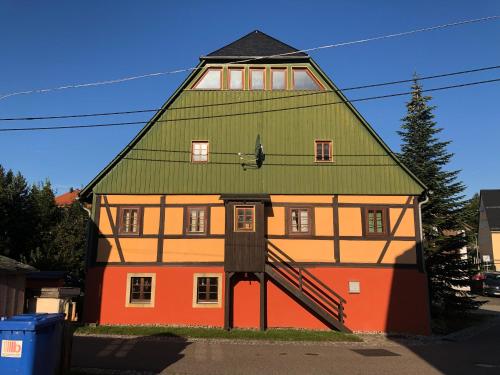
x=310 y=291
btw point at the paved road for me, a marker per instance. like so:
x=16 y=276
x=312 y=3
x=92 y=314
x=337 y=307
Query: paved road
x=477 y=354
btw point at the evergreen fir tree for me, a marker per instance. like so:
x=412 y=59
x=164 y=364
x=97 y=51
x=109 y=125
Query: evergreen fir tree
x=443 y=217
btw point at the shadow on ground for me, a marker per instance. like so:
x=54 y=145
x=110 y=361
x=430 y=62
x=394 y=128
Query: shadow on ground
x=152 y=353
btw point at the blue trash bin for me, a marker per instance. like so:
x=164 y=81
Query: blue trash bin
x=31 y=344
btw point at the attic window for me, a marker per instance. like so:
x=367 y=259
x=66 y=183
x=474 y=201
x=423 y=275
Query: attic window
x=278 y=78
x=304 y=80
x=211 y=80
x=257 y=78
x=235 y=79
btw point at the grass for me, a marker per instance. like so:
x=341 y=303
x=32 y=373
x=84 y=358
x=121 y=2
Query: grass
x=218 y=333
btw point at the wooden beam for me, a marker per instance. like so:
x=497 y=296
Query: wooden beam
x=161 y=231
x=263 y=300
x=336 y=229
x=228 y=301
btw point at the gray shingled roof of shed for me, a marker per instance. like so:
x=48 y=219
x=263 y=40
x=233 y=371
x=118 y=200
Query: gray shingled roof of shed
x=256 y=44
x=11 y=265
x=491 y=203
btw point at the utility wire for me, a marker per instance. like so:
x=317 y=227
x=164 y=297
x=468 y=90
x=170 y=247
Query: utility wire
x=54 y=117
x=342 y=44
x=250 y=112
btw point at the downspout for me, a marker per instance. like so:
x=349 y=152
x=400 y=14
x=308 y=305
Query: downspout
x=420 y=204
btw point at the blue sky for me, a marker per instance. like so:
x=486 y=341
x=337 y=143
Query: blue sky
x=47 y=44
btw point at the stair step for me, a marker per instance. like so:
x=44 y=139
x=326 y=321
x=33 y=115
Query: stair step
x=311 y=304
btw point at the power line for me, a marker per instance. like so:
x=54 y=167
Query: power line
x=373 y=85
x=251 y=112
x=336 y=45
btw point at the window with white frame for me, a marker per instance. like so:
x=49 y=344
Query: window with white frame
x=199 y=152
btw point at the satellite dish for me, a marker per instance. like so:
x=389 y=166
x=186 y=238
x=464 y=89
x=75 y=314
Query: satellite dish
x=258 y=156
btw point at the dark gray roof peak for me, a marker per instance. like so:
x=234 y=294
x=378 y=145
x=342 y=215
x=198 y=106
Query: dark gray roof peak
x=491 y=204
x=256 y=44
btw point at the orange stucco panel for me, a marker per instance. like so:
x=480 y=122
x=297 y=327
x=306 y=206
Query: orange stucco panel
x=134 y=199
x=350 y=221
x=151 y=220
x=217 y=220
x=275 y=220
x=407 y=226
x=382 y=199
x=133 y=249
x=104 y=223
x=303 y=250
x=174 y=220
x=370 y=251
x=193 y=250
x=193 y=199
x=323 y=221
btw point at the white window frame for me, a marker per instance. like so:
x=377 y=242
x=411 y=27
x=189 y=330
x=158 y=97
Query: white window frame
x=208 y=305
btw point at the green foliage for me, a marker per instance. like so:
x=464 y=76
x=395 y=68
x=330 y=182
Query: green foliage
x=37 y=232
x=444 y=217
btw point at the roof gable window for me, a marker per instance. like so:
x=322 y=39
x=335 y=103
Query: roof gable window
x=211 y=80
x=278 y=77
x=235 y=79
x=257 y=78
x=304 y=80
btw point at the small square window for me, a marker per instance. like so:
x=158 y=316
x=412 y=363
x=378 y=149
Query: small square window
x=278 y=78
x=244 y=218
x=257 y=79
x=235 y=79
x=207 y=290
x=376 y=221
x=300 y=221
x=323 y=151
x=199 y=152
x=196 y=220
x=140 y=290
x=129 y=220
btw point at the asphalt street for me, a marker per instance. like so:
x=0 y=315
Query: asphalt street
x=471 y=352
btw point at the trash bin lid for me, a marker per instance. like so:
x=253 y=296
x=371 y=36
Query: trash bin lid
x=29 y=322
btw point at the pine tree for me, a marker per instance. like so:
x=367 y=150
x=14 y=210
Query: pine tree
x=443 y=217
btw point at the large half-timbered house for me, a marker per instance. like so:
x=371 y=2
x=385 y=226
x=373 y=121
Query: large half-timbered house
x=257 y=196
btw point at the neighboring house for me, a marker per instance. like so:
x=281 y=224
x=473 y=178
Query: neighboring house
x=67 y=199
x=257 y=197
x=12 y=285
x=489 y=228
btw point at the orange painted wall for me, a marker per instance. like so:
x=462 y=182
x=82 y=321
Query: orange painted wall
x=173 y=299
x=391 y=300
x=192 y=250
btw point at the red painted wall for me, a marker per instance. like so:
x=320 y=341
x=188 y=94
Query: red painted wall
x=391 y=300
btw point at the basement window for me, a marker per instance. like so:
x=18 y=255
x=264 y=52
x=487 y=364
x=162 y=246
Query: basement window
x=211 y=80
x=304 y=80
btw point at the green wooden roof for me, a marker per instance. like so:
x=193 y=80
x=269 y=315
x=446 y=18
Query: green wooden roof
x=157 y=161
